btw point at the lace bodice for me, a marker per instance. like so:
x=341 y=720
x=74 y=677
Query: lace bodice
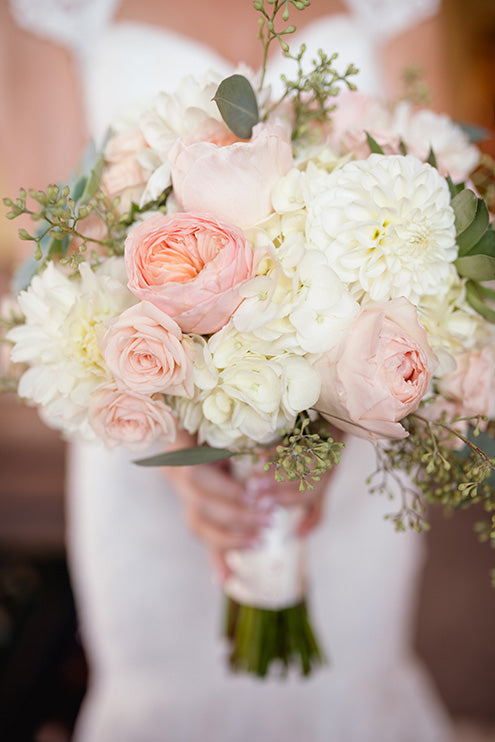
x=74 y=23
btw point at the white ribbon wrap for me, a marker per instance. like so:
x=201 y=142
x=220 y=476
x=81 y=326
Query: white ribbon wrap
x=271 y=575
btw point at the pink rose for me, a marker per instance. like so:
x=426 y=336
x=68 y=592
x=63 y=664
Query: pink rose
x=235 y=181
x=357 y=114
x=189 y=266
x=471 y=385
x=379 y=373
x=123 y=176
x=129 y=419
x=145 y=351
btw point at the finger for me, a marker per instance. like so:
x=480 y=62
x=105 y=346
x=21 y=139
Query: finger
x=219 y=537
x=236 y=515
x=220 y=566
x=215 y=481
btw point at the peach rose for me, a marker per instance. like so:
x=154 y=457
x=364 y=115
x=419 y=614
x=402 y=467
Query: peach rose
x=235 y=181
x=190 y=266
x=129 y=419
x=123 y=176
x=379 y=373
x=145 y=351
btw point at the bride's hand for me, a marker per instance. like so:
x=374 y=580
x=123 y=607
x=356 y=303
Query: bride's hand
x=228 y=514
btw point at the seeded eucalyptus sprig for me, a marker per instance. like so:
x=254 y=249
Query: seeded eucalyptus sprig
x=60 y=212
x=312 y=92
x=304 y=455
x=439 y=474
x=267 y=30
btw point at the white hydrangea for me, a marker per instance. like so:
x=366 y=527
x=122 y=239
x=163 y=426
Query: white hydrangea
x=245 y=393
x=59 y=339
x=296 y=303
x=385 y=225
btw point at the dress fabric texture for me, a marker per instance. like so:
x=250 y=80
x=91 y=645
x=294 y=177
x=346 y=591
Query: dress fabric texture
x=149 y=608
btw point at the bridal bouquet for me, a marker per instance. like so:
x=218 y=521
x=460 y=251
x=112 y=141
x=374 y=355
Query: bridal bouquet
x=255 y=270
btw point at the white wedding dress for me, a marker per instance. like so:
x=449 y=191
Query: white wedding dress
x=149 y=609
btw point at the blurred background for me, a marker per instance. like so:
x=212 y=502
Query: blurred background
x=43 y=671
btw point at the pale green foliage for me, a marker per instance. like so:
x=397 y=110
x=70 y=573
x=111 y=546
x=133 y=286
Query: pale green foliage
x=61 y=214
x=267 y=30
x=311 y=93
x=304 y=455
x=414 y=88
x=439 y=474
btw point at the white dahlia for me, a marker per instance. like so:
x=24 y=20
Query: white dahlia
x=59 y=339
x=385 y=225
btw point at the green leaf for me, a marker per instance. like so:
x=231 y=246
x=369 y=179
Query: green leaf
x=476 y=295
x=236 y=101
x=403 y=148
x=476 y=267
x=373 y=145
x=78 y=187
x=93 y=182
x=464 y=204
x=475 y=231
x=432 y=160
x=187 y=457
x=485 y=246
x=473 y=132
x=456 y=188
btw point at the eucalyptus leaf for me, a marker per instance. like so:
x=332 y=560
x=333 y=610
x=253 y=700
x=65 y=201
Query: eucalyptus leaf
x=78 y=187
x=24 y=274
x=486 y=245
x=236 y=101
x=486 y=292
x=473 y=132
x=454 y=189
x=464 y=204
x=187 y=457
x=476 y=267
x=475 y=231
x=93 y=181
x=475 y=296
x=373 y=145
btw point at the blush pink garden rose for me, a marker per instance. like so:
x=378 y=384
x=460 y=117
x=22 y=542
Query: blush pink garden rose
x=234 y=181
x=467 y=390
x=190 y=266
x=123 y=176
x=357 y=114
x=145 y=351
x=121 y=418
x=378 y=374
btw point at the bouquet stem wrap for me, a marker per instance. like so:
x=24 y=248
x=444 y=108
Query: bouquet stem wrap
x=267 y=618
